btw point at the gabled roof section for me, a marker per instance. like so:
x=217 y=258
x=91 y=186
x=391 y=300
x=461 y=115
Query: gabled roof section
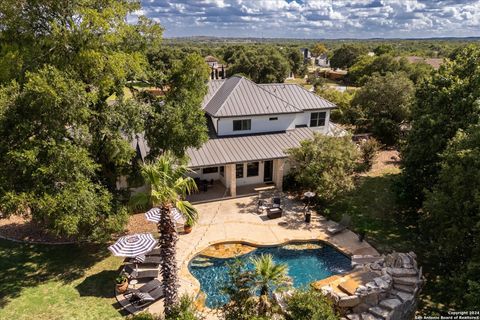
x=298 y=96
x=213 y=86
x=239 y=96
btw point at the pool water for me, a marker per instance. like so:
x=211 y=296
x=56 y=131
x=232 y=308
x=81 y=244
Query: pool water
x=306 y=263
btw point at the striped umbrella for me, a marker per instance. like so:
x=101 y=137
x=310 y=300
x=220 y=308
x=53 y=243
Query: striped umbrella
x=153 y=215
x=133 y=245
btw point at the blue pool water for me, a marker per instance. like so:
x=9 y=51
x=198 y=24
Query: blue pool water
x=306 y=263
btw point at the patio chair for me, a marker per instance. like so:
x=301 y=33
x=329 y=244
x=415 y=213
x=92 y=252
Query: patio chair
x=274 y=213
x=276 y=202
x=142 y=274
x=339 y=227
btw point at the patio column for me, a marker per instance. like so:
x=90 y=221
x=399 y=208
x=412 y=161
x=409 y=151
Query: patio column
x=278 y=173
x=232 y=179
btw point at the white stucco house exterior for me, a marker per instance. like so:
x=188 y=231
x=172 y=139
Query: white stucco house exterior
x=251 y=126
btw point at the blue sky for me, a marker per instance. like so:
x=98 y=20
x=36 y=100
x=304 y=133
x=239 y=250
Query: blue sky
x=316 y=18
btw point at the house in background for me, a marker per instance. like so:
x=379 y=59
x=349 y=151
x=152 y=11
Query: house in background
x=251 y=127
x=217 y=70
x=322 y=61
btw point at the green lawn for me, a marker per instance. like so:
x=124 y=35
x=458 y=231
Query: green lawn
x=57 y=282
x=372 y=207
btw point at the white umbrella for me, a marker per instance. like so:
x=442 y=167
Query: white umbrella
x=133 y=245
x=153 y=215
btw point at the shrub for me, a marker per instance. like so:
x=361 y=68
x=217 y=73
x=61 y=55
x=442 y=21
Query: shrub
x=369 y=149
x=184 y=310
x=310 y=305
x=143 y=316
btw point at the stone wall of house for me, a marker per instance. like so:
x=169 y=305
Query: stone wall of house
x=391 y=291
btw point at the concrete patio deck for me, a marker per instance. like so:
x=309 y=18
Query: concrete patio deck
x=236 y=220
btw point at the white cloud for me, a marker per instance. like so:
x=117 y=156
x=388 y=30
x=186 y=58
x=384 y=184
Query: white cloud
x=316 y=18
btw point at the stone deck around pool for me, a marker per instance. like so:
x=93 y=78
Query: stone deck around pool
x=236 y=220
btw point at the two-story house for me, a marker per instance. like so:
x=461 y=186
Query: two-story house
x=252 y=125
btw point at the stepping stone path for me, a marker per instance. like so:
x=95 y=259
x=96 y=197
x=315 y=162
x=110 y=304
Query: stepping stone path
x=380 y=288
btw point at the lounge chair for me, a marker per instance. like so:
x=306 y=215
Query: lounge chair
x=147 y=287
x=154 y=252
x=146 y=294
x=149 y=297
x=140 y=274
x=144 y=260
x=339 y=227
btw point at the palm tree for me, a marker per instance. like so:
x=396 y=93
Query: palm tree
x=169 y=186
x=268 y=276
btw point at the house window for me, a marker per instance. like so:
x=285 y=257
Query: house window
x=210 y=170
x=239 y=170
x=273 y=119
x=317 y=119
x=252 y=169
x=241 y=125
x=222 y=171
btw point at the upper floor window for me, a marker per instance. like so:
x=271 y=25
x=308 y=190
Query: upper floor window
x=317 y=119
x=241 y=125
x=273 y=119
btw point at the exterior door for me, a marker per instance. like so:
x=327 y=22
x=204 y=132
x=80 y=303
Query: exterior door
x=268 y=171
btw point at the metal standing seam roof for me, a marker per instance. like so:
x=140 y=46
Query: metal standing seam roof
x=239 y=96
x=236 y=149
x=298 y=96
x=213 y=86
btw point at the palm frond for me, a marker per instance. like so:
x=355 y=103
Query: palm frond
x=187 y=210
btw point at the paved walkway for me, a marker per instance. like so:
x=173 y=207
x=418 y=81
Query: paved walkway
x=236 y=220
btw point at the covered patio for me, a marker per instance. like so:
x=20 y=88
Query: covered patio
x=218 y=191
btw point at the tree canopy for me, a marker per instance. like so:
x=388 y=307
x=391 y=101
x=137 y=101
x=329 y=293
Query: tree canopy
x=385 y=102
x=262 y=65
x=445 y=103
x=346 y=56
x=325 y=165
x=66 y=117
x=450 y=220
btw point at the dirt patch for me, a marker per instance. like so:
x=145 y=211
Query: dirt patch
x=139 y=224
x=23 y=229
x=387 y=161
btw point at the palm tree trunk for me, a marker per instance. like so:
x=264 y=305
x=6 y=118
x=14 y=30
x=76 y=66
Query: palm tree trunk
x=168 y=266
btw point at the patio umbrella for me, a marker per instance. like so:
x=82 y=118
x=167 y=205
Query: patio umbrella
x=133 y=245
x=153 y=215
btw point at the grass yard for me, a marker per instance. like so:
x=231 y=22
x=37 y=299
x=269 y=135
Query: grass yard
x=57 y=282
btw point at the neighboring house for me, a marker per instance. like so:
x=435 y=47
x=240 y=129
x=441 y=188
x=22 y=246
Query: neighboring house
x=252 y=125
x=322 y=61
x=211 y=61
x=306 y=53
x=217 y=70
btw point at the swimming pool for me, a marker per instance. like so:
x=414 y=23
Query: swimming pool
x=307 y=262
